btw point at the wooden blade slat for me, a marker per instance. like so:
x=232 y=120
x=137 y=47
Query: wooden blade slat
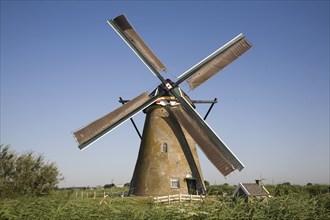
x=213 y=147
x=105 y=124
x=214 y=151
x=218 y=63
x=177 y=129
x=132 y=38
x=215 y=62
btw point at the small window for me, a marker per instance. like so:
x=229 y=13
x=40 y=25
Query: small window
x=175 y=183
x=164 y=148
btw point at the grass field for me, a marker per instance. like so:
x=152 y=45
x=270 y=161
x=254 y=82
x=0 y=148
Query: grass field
x=293 y=203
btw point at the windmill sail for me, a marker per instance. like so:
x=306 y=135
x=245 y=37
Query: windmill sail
x=121 y=25
x=215 y=62
x=105 y=124
x=213 y=147
x=186 y=149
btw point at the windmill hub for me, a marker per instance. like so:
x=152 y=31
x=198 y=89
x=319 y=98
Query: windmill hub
x=167 y=161
x=167 y=101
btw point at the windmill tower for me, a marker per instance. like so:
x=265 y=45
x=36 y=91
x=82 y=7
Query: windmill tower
x=167 y=161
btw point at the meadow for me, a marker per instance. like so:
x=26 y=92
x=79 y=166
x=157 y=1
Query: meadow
x=287 y=202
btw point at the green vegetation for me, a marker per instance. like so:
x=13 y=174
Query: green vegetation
x=296 y=202
x=28 y=191
x=25 y=174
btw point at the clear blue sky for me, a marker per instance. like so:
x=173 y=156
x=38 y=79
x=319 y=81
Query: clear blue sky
x=62 y=66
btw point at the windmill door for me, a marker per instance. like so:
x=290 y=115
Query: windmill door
x=191 y=183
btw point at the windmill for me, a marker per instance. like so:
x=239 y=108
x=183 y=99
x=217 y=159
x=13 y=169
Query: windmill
x=167 y=161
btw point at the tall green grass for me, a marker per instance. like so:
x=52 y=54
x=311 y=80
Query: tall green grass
x=66 y=205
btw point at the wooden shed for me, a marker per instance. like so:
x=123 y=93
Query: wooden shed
x=249 y=191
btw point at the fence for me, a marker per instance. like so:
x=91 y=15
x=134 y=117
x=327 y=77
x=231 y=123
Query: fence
x=97 y=194
x=179 y=198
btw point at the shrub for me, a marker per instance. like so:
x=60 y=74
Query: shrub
x=26 y=174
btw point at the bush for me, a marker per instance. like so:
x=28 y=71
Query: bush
x=26 y=174
x=220 y=190
x=108 y=186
